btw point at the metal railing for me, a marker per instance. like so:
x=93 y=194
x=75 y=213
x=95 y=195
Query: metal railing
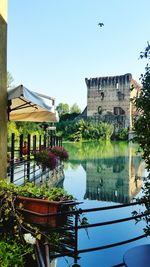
x=74 y=251
x=21 y=165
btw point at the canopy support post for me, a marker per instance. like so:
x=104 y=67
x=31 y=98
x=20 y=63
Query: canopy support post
x=3 y=88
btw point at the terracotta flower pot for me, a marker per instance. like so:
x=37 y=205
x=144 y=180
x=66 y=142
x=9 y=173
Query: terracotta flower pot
x=38 y=211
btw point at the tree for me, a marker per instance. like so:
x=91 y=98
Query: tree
x=62 y=108
x=83 y=130
x=142 y=129
x=142 y=103
x=28 y=127
x=9 y=80
x=75 y=108
x=12 y=129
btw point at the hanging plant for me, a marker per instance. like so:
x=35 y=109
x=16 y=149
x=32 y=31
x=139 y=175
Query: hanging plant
x=60 y=152
x=46 y=159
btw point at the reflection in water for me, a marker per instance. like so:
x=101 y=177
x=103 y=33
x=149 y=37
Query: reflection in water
x=111 y=180
x=99 y=172
x=113 y=170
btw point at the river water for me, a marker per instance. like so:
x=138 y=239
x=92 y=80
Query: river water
x=103 y=174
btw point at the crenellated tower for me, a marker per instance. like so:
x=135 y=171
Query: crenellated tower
x=110 y=96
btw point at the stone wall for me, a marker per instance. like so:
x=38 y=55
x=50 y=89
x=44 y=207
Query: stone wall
x=108 y=97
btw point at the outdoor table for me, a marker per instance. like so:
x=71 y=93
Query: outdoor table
x=138 y=256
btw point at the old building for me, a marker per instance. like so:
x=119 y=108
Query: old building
x=109 y=99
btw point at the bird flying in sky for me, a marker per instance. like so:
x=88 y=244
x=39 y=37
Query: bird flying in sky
x=101 y=24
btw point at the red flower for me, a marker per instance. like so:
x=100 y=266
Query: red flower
x=46 y=158
x=60 y=152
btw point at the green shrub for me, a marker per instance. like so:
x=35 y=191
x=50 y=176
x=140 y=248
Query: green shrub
x=83 y=130
x=30 y=190
x=13 y=253
x=123 y=134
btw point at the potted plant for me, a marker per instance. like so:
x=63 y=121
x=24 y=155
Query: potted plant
x=46 y=159
x=17 y=235
x=60 y=152
x=37 y=203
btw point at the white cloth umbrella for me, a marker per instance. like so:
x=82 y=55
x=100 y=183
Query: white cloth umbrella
x=26 y=105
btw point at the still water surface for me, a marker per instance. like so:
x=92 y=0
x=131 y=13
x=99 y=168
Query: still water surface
x=102 y=174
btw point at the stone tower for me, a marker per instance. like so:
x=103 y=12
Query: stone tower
x=108 y=99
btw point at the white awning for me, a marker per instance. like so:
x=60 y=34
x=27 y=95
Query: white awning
x=26 y=105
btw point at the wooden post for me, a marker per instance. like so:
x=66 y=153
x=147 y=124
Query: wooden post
x=45 y=141
x=34 y=144
x=12 y=158
x=3 y=88
x=40 y=142
x=28 y=157
x=21 y=146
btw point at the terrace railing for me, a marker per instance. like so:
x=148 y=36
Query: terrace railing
x=21 y=163
x=72 y=249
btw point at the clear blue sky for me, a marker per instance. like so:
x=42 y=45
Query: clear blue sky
x=54 y=44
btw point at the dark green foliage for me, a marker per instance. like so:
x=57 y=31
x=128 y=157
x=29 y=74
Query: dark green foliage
x=69 y=116
x=142 y=123
x=122 y=134
x=146 y=53
x=82 y=130
x=142 y=129
x=26 y=128
x=14 y=249
x=11 y=253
